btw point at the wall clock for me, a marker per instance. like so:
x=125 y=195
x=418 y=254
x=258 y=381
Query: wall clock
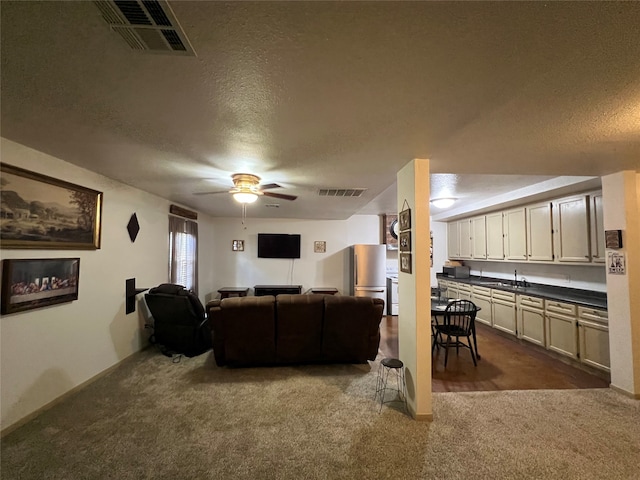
x=393 y=229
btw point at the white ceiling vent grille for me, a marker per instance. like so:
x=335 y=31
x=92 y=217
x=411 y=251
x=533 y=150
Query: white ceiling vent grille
x=146 y=25
x=341 y=192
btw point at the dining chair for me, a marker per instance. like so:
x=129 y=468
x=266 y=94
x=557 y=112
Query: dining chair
x=457 y=324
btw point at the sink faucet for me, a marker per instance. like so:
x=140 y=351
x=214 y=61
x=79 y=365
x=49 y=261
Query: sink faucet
x=515 y=278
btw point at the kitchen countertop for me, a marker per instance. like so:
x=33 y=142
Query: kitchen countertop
x=585 y=298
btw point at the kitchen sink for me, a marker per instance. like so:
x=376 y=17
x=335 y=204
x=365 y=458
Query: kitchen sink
x=502 y=284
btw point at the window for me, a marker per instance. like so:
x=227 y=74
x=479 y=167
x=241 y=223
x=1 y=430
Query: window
x=183 y=253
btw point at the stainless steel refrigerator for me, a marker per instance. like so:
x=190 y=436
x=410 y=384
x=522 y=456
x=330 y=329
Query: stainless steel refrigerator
x=369 y=271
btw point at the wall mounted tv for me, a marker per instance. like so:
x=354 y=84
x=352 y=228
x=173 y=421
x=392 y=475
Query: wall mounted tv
x=278 y=245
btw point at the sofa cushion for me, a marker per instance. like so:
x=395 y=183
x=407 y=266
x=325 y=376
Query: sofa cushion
x=244 y=331
x=351 y=328
x=299 y=328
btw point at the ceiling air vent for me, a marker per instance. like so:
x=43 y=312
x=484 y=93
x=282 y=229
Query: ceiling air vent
x=146 y=25
x=341 y=192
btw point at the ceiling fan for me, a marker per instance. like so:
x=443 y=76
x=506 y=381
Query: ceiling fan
x=247 y=189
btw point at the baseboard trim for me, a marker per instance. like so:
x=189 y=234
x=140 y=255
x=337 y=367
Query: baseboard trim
x=65 y=396
x=424 y=417
x=634 y=396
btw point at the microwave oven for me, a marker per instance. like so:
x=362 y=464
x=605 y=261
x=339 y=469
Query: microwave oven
x=456 y=272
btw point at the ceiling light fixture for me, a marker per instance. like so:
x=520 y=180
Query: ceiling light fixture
x=245 y=197
x=443 y=202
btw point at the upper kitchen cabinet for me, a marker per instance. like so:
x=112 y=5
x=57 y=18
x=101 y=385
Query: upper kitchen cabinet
x=539 y=232
x=597 y=228
x=453 y=240
x=464 y=231
x=571 y=218
x=459 y=239
x=564 y=230
x=479 y=237
x=495 y=246
x=515 y=234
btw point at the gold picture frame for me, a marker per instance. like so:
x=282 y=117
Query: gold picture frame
x=319 y=246
x=46 y=213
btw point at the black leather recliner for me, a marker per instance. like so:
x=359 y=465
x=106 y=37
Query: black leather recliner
x=180 y=324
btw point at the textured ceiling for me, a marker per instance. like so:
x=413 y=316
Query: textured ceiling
x=340 y=94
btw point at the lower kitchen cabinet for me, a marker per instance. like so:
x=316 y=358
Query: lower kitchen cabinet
x=481 y=297
x=562 y=334
x=531 y=322
x=578 y=332
x=593 y=333
x=464 y=291
x=504 y=311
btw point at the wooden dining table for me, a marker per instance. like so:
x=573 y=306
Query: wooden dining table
x=438 y=308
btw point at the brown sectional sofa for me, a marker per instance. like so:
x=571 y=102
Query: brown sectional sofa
x=290 y=329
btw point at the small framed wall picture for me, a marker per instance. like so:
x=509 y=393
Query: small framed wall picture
x=404 y=220
x=404 y=241
x=405 y=262
x=237 y=245
x=319 y=246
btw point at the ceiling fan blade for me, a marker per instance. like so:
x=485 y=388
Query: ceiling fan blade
x=210 y=193
x=279 y=195
x=269 y=186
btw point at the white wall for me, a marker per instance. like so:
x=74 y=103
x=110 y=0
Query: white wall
x=414 y=290
x=621 y=200
x=48 y=351
x=586 y=277
x=329 y=269
x=439 y=230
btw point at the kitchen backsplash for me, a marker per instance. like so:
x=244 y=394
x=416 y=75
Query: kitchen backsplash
x=571 y=276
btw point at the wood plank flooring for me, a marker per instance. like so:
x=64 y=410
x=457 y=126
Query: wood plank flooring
x=506 y=364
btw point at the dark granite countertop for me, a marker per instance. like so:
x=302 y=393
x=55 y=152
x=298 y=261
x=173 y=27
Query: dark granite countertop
x=585 y=298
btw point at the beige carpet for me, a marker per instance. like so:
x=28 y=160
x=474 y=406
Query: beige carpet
x=153 y=419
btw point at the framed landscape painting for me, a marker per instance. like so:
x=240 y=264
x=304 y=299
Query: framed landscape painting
x=36 y=283
x=46 y=213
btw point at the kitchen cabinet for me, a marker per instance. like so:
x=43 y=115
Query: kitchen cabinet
x=568 y=229
x=453 y=240
x=531 y=320
x=597 y=228
x=515 y=234
x=539 y=232
x=464 y=291
x=464 y=232
x=504 y=311
x=593 y=335
x=479 y=237
x=448 y=289
x=571 y=218
x=495 y=246
x=561 y=331
x=481 y=297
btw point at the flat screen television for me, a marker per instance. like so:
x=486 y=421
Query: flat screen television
x=278 y=245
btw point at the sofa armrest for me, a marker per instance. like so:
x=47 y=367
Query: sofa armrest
x=351 y=330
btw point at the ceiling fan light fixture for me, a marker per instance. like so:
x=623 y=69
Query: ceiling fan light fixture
x=443 y=202
x=245 y=197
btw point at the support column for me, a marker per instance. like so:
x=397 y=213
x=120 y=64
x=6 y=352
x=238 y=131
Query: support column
x=414 y=290
x=621 y=202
